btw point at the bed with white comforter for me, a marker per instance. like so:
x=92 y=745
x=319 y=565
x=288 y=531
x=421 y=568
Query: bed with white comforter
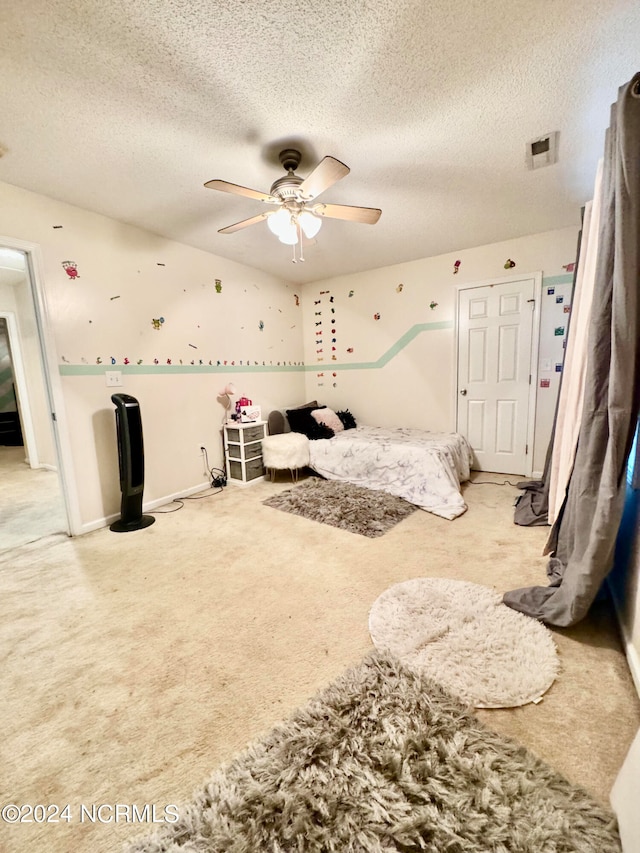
x=424 y=468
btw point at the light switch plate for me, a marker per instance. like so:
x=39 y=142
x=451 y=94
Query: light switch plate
x=114 y=378
x=545 y=364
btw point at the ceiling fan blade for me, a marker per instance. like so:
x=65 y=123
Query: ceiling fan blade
x=236 y=189
x=367 y=215
x=244 y=223
x=326 y=173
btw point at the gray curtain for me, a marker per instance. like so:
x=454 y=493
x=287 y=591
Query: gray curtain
x=582 y=541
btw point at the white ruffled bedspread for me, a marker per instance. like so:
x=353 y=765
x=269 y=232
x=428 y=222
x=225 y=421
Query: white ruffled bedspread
x=424 y=468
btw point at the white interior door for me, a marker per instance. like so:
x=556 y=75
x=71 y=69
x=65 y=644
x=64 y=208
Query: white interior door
x=495 y=334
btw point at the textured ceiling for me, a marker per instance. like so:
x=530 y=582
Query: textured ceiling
x=127 y=108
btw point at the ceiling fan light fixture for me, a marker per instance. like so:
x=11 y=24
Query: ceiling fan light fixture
x=310 y=224
x=280 y=222
x=290 y=236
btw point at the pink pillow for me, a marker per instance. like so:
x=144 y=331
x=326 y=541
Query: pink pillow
x=329 y=418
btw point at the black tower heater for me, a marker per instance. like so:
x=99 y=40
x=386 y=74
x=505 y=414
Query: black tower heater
x=131 y=459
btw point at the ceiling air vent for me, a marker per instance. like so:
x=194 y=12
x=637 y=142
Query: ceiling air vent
x=542 y=151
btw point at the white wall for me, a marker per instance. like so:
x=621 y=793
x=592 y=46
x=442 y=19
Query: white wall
x=127 y=278
x=390 y=382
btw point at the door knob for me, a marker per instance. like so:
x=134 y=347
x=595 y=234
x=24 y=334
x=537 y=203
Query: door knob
x=464 y=392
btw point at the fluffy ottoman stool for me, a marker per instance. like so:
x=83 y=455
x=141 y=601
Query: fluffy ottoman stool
x=286 y=451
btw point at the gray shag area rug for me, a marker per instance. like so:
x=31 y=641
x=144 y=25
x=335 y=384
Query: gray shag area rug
x=353 y=508
x=384 y=760
x=463 y=636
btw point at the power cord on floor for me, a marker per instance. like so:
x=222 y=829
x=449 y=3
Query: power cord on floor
x=217 y=475
x=218 y=479
x=182 y=500
x=491 y=483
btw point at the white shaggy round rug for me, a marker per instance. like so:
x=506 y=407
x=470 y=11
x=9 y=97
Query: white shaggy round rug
x=463 y=636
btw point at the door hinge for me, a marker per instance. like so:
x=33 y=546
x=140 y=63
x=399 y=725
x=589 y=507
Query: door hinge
x=53 y=416
x=526 y=449
x=529 y=379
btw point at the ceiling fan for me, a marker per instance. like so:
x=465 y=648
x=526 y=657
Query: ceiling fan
x=296 y=213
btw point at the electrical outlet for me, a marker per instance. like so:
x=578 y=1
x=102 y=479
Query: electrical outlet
x=113 y=377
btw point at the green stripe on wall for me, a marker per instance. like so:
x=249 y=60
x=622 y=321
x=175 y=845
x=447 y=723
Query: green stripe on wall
x=550 y=281
x=392 y=352
x=140 y=369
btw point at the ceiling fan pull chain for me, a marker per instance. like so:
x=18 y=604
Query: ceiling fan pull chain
x=293 y=260
x=300 y=237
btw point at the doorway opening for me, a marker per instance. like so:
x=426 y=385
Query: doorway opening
x=33 y=502
x=497 y=349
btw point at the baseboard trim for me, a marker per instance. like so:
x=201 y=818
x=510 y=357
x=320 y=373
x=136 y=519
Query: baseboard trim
x=633 y=658
x=97 y=523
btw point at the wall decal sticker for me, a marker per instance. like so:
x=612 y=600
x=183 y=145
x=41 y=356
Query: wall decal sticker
x=193 y=346
x=114 y=297
x=399 y=288
x=261 y=326
x=509 y=264
x=350 y=293
x=98 y=360
x=66 y=360
x=168 y=361
x=456 y=267
x=569 y=267
x=113 y=361
x=318 y=313
x=139 y=361
x=559 y=330
x=331 y=298
x=157 y=323
x=558 y=367
x=333 y=340
x=318 y=322
x=322 y=292
x=297 y=299
x=349 y=349
x=433 y=305
x=318 y=302
x=566 y=309
x=56 y=226
x=155 y=361
x=218 y=286
x=559 y=300
x=551 y=291
x=545 y=383
x=160 y=265
x=126 y=361
x=71 y=268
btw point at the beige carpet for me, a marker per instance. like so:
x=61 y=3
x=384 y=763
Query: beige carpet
x=134 y=664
